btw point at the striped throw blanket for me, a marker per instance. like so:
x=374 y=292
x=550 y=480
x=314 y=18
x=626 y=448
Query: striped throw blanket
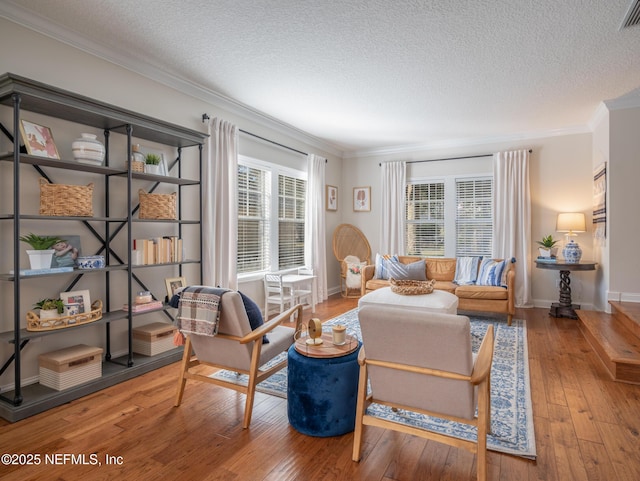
x=199 y=310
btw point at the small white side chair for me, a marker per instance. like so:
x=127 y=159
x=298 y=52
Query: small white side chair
x=305 y=292
x=276 y=293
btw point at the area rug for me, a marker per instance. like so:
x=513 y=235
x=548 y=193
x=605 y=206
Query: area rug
x=511 y=412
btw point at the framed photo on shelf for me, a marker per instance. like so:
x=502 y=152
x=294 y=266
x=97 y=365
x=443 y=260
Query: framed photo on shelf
x=66 y=253
x=173 y=284
x=38 y=140
x=361 y=199
x=331 y=197
x=81 y=298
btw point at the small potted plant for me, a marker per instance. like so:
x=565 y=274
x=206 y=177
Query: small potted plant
x=41 y=251
x=152 y=164
x=547 y=246
x=49 y=308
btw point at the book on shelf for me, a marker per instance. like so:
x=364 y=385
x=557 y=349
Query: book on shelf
x=148 y=306
x=157 y=250
x=546 y=259
x=38 y=272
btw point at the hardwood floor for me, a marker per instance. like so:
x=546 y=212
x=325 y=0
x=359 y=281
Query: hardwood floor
x=587 y=428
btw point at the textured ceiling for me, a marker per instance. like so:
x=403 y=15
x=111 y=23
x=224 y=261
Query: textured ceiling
x=371 y=74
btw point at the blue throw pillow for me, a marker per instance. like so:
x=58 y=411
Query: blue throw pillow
x=382 y=263
x=415 y=271
x=466 y=270
x=492 y=273
x=254 y=315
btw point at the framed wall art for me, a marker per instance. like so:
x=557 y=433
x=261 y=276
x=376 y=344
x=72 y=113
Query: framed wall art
x=38 y=140
x=331 y=197
x=361 y=199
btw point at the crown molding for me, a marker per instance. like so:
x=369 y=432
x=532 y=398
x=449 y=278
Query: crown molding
x=143 y=67
x=629 y=100
x=459 y=143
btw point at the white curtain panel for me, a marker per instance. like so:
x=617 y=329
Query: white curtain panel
x=315 y=244
x=392 y=216
x=512 y=217
x=220 y=219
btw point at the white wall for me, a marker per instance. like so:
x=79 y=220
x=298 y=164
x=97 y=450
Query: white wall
x=624 y=198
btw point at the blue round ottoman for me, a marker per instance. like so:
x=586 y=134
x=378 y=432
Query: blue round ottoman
x=322 y=392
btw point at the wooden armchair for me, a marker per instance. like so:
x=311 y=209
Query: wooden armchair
x=422 y=362
x=238 y=348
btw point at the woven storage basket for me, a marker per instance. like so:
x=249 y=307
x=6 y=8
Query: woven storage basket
x=61 y=199
x=157 y=206
x=412 y=288
x=136 y=166
x=34 y=323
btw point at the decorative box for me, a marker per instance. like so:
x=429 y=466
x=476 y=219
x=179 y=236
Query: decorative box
x=90 y=262
x=154 y=338
x=70 y=366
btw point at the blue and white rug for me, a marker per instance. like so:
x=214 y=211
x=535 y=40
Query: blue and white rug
x=511 y=412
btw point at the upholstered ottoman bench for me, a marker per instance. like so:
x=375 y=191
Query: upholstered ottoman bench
x=436 y=301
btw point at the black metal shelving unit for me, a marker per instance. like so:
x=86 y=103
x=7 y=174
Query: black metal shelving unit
x=21 y=94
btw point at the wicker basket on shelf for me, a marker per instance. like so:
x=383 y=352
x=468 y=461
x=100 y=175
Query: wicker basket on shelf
x=136 y=166
x=34 y=323
x=412 y=288
x=67 y=200
x=157 y=206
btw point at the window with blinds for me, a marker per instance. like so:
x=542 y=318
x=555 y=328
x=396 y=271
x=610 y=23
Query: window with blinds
x=253 y=219
x=271 y=216
x=291 y=216
x=474 y=217
x=425 y=233
x=449 y=217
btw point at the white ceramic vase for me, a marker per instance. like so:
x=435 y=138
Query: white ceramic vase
x=40 y=259
x=88 y=150
x=152 y=169
x=48 y=313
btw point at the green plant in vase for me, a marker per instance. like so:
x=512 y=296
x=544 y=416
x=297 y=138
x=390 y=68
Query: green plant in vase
x=41 y=251
x=152 y=164
x=49 y=308
x=547 y=246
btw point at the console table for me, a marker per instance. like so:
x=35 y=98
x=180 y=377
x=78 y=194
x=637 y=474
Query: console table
x=564 y=307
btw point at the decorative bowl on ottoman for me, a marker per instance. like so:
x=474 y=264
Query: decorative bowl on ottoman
x=90 y=262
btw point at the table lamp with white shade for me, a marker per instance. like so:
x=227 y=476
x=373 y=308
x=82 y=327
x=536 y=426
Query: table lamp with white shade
x=571 y=223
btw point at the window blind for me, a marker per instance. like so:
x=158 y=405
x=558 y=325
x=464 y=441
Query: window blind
x=291 y=218
x=253 y=219
x=474 y=217
x=425 y=219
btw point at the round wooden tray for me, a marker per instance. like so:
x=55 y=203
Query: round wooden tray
x=327 y=348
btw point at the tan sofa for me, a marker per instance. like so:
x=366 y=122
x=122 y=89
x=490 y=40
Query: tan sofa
x=470 y=298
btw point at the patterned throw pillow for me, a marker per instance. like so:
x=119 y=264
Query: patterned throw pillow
x=415 y=271
x=466 y=270
x=382 y=262
x=492 y=273
x=354 y=274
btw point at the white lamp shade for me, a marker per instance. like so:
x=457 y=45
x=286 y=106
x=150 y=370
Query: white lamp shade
x=571 y=222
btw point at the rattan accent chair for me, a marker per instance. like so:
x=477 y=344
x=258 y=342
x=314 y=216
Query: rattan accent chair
x=348 y=240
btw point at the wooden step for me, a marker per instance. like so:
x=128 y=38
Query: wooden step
x=627 y=313
x=614 y=343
